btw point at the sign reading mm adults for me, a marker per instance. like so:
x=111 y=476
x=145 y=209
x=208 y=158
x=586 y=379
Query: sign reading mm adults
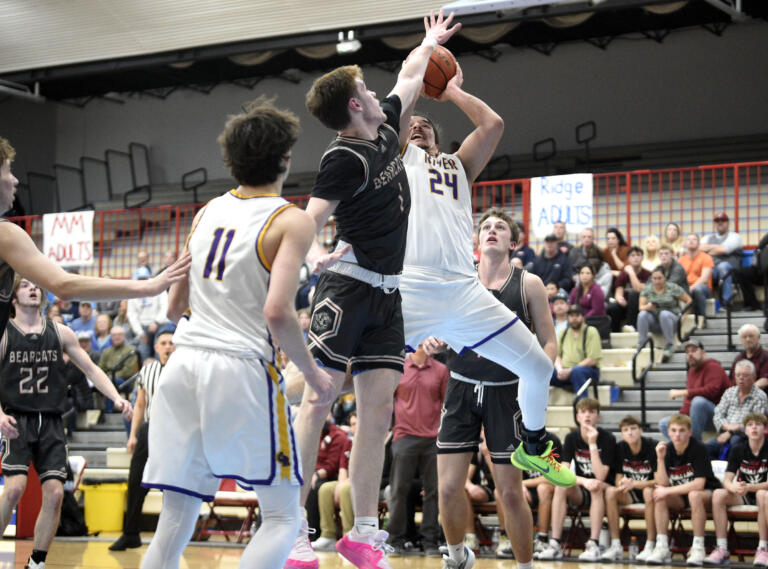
x=68 y=238
x=561 y=198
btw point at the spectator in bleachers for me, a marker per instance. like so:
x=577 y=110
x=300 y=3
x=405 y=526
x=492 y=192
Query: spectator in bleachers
x=553 y=265
x=749 y=335
x=539 y=494
x=52 y=311
x=744 y=398
x=684 y=479
x=79 y=387
x=660 y=310
x=673 y=270
x=628 y=284
x=122 y=320
x=551 y=289
x=704 y=387
x=586 y=253
x=303 y=314
x=68 y=310
x=333 y=494
x=101 y=337
x=634 y=467
x=169 y=258
x=698 y=267
x=86 y=321
x=560 y=232
x=480 y=489
x=142 y=261
x=673 y=238
x=725 y=247
x=418 y=400
x=523 y=253
x=588 y=294
x=119 y=361
x=746 y=482
x=146 y=315
x=579 y=352
x=333 y=444
x=590 y=450
x=755 y=274
x=616 y=250
x=560 y=313
x=651 y=252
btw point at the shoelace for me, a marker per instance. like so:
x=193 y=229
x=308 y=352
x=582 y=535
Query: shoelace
x=551 y=457
x=380 y=542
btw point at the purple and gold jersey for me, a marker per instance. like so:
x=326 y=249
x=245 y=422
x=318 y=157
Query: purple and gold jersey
x=229 y=277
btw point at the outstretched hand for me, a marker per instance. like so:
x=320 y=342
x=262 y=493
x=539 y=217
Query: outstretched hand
x=124 y=406
x=177 y=271
x=329 y=259
x=437 y=28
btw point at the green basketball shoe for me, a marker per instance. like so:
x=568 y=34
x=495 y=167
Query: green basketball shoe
x=546 y=463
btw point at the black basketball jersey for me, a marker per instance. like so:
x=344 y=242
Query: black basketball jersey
x=29 y=370
x=473 y=366
x=6 y=289
x=368 y=179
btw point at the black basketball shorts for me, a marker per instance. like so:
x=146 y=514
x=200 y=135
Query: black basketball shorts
x=468 y=407
x=357 y=323
x=41 y=440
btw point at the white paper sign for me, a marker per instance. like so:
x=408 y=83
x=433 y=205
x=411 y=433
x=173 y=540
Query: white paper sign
x=561 y=198
x=68 y=238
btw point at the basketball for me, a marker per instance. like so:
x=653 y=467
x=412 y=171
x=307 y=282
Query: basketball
x=440 y=69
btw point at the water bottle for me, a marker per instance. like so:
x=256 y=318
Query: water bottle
x=495 y=538
x=633 y=548
x=604 y=539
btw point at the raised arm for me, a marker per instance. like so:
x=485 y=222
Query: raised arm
x=411 y=76
x=481 y=143
x=20 y=252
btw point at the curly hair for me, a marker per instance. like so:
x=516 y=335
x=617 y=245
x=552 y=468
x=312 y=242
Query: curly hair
x=7 y=151
x=255 y=143
x=328 y=99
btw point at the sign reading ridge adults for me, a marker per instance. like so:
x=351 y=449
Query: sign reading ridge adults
x=68 y=238
x=561 y=198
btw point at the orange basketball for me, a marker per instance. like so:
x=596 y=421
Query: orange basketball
x=440 y=69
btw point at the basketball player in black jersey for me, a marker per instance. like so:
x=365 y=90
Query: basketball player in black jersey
x=19 y=254
x=33 y=394
x=356 y=311
x=482 y=393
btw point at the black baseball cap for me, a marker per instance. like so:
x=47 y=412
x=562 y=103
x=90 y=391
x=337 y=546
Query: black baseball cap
x=575 y=308
x=551 y=237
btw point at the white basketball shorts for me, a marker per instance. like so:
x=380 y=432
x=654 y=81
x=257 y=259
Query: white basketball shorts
x=216 y=415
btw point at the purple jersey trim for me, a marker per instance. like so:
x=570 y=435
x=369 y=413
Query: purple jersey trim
x=488 y=337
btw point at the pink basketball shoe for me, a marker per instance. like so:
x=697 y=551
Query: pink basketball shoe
x=365 y=551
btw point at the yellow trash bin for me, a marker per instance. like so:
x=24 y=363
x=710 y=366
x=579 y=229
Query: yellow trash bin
x=104 y=504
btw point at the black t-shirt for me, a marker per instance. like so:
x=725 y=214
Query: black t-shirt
x=692 y=463
x=576 y=449
x=30 y=371
x=640 y=466
x=368 y=179
x=749 y=468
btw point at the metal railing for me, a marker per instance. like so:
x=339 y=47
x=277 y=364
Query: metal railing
x=641 y=377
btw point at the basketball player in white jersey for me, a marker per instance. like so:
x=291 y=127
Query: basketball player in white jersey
x=18 y=254
x=441 y=293
x=220 y=409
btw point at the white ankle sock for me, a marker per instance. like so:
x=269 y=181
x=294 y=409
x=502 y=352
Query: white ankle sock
x=763 y=543
x=698 y=541
x=722 y=542
x=649 y=545
x=615 y=542
x=662 y=541
x=366 y=525
x=456 y=552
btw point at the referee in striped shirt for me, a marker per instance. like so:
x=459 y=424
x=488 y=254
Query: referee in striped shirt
x=138 y=440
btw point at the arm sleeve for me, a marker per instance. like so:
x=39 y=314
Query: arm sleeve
x=734 y=459
x=732 y=242
x=597 y=302
x=393 y=108
x=342 y=173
